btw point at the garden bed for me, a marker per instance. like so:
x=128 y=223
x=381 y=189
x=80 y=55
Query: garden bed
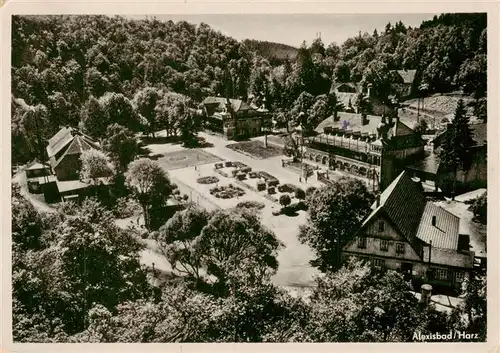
x=256 y=149
x=227 y=191
x=207 y=180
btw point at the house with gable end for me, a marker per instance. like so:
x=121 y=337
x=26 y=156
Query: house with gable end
x=406 y=232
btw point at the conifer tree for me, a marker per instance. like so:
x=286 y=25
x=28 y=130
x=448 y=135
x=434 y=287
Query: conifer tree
x=456 y=149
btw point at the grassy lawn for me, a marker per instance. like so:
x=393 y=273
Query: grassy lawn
x=186 y=158
x=256 y=149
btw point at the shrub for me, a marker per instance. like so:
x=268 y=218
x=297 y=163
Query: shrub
x=480 y=207
x=287 y=188
x=285 y=200
x=272 y=182
x=253 y=175
x=227 y=192
x=234 y=172
x=261 y=185
x=207 y=180
x=219 y=165
x=310 y=190
x=246 y=169
x=125 y=207
x=68 y=208
x=241 y=176
x=271 y=190
x=185 y=197
x=228 y=164
x=298 y=206
x=250 y=204
x=239 y=165
x=266 y=175
x=176 y=192
x=300 y=194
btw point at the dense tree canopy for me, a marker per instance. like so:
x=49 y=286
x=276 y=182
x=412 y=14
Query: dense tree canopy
x=77 y=276
x=335 y=214
x=63 y=66
x=222 y=251
x=66 y=265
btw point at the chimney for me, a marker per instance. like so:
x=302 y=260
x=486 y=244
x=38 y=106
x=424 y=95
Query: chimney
x=336 y=115
x=364 y=119
x=425 y=293
x=434 y=221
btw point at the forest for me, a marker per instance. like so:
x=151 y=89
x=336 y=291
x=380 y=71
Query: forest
x=77 y=276
x=66 y=68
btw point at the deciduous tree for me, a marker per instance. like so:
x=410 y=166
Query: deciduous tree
x=335 y=214
x=145 y=101
x=149 y=183
x=122 y=145
x=94 y=118
x=95 y=164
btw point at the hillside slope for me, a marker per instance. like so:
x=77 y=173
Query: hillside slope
x=276 y=53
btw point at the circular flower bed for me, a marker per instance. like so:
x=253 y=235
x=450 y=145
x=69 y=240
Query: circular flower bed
x=227 y=192
x=207 y=180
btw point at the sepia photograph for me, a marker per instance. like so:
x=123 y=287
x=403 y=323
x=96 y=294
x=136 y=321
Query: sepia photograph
x=245 y=178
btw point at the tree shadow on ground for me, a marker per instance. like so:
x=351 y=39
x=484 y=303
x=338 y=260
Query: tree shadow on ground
x=148 y=140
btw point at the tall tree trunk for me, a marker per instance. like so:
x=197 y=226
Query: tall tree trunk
x=146 y=215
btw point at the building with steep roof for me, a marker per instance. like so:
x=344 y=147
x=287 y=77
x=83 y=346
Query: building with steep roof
x=346 y=93
x=37 y=175
x=234 y=117
x=404 y=82
x=370 y=146
x=406 y=232
x=64 y=150
x=430 y=168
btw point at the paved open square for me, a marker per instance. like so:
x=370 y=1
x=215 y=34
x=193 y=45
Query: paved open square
x=186 y=158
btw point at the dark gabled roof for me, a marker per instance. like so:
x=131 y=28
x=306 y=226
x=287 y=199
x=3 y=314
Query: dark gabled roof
x=236 y=104
x=429 y=164
x=401 y=129
x=63 y=137
x=353 y=87
x=59 y=141
x=402 y=203
x=68 y=141
x=408 y=76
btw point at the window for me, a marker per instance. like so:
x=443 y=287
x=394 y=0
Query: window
x=384 y=245
x=400 y=248
x=378 y=263
x=362 y=242
x=459 y=276
x=441 y=274
x=380 y=226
